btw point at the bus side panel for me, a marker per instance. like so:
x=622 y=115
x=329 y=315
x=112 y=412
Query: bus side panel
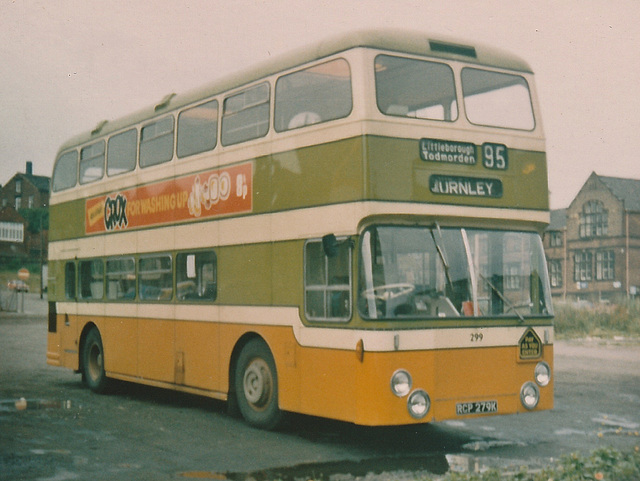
x=66 y=220
x=197 y=355
x=327 y=380
x=155 y=350
x=323 y=174
x=120 y=342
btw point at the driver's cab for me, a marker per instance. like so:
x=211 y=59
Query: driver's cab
x=424 y=271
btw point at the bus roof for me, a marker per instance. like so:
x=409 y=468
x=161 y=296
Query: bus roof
x=392 y=40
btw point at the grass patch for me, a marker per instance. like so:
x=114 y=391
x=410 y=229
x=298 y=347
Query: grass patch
x=603 y=464
x=606 y=321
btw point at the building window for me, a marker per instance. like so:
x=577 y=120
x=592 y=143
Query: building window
x=30 y=202
x=605 y=265
x=11 y=232
x=593 y=220
x=18 y=186
x=582 y=266
x=512 y=276
x=555 y=239
x=555 y=273
x=18 y=203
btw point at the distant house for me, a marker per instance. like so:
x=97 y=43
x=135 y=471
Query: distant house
x=22 y=191
x=593 y=246
x=26 y=191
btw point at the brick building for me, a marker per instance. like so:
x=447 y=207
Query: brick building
x=593 y=246
x=24 y=191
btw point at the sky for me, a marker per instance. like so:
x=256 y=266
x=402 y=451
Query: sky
x=65 y=65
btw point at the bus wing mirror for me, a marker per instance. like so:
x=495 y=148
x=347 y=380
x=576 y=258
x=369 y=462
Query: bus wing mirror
x=330 y=245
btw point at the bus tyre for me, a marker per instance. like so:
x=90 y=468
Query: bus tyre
x=93 y=374
x=256 y=384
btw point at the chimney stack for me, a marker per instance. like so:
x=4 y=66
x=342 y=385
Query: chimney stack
x=29 y=168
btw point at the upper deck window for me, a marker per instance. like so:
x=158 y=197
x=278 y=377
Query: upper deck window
x=65 y=172
x=316 y=94
x=497 y=99
x=246 y=115
x=198 y=129
x=92 y=162
x=121 y=155
x=156 y=142
x=415 y=88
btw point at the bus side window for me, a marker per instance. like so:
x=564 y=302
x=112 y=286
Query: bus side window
x=197 y=129
x=121 y=152
x=327 y=282
x=196 y=276
x=246 y=115
x=156 y=142
x=121 y=278
x=66 y=171
x=155 y=278
x=92 y=162
x=316 y=94
x=91 y=279
x=70 y=280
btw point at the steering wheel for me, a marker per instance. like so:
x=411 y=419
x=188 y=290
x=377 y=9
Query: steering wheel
x=387 y=292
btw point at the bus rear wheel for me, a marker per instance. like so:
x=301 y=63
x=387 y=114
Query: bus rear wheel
x=93 y=373
x=256 y=384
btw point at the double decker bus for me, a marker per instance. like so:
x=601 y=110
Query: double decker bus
x=350 y=231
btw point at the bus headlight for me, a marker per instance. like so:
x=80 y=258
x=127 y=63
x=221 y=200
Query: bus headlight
x=418 y=404
x=401 y=383
x=529 y=395
x=542 y=373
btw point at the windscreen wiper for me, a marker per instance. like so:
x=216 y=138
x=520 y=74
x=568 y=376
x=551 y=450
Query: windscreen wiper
x=510 y=304
x=441 y=253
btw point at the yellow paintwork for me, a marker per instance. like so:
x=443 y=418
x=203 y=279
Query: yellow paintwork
x=332 y=383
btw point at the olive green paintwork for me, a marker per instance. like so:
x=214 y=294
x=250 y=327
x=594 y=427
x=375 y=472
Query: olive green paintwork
x=357 y=169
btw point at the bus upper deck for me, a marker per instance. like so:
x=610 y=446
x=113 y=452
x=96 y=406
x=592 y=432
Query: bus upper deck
x=443 y=124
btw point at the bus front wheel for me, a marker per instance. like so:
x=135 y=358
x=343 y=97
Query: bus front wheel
x=93 y=373
x=256 y=384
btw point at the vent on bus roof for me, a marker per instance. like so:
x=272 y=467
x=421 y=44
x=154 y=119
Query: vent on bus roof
x=164 y=102
x=444 y=47
x=99 y=127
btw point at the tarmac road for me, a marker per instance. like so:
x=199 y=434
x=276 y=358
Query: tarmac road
x=63 y=431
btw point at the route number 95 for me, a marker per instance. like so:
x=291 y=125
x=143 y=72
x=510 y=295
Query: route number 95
x=495 y=156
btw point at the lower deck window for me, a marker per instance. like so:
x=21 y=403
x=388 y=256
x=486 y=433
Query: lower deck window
x=327 y=281
x=196 y=275
x=121 y=278
x=155 y=278
x=91 y=279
